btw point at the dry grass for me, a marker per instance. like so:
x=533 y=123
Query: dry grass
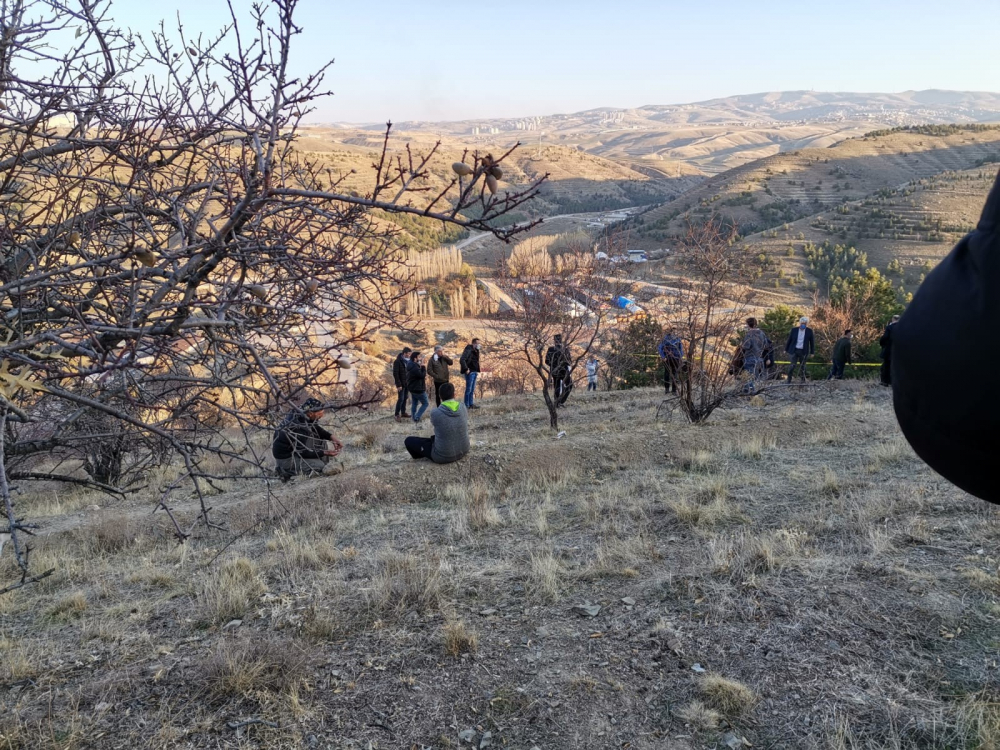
x=707 y=506
x=699 y=716
x=746 y=554
x=732 y=699
x=889 y=453
x=754 y=446
x=458 y=638
x=68 y=608
x=483 y=513
x=700 y=461
x=247 y=667
x=405 y=582
x=16 y=663
x=230 y=592
x=545 y=575
x=299 y=552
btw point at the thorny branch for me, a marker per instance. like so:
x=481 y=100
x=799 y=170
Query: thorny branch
x=174 y=271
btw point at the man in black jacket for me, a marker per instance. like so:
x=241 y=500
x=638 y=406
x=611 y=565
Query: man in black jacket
x=800 y=346
x=416 y=383
x=841 y=356
x=399 y=379
x=885 y=372
x=469 y=366
x=944 y=364
x=557 y=359
x=299 y=445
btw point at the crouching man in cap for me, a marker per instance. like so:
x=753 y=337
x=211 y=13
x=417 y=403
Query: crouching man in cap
x=299 y=445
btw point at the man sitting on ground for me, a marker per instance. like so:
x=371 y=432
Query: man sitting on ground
x=450 y=440
x=299 y=445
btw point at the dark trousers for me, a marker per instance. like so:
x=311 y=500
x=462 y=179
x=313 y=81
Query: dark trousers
x=563 y=385
x=799 y=357
x=886 y=370
x=671 y=374
x=401 y=402
x=419 y=447
x=837 y=370
x=437 y=392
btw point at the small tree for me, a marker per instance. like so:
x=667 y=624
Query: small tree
x=713 y=300
x=572 y=302
x=631 y=358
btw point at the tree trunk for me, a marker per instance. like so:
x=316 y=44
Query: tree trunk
x=551 y=405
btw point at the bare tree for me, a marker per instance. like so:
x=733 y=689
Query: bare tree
x=569 y=296
x=170 y=264
x=713 y=298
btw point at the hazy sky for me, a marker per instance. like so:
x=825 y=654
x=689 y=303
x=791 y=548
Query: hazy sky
x=437 y=59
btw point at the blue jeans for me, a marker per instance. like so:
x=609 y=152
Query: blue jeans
x=837 y=371
x=470 y=388
x=754 y=366
x=421 y=400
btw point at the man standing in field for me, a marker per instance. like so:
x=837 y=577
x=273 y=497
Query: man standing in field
x=841 y=356
x=299 y=445
x=399 y=379
x=469 y=367
x=671 y=350
x=557 y=359
x=800 y=346
x=437 y=368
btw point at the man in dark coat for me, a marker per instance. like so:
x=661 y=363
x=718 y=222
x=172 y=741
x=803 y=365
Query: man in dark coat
x=800 y=346
x=437 y=368
x=841 y=356
x=416 y=383
x=944 y=361
x=671 y=351
x=469 y=367
x=557 y=359
x=299 y=445
x=885 y=372
x=399 y=379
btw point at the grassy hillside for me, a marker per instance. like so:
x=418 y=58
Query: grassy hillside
x=903 y=232
x=788 y=575
x=782 y=189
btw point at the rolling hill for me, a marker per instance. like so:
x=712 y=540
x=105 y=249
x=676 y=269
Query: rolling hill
x=720 y=134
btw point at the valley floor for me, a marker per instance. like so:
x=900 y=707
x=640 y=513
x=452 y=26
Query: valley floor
x=787 y=575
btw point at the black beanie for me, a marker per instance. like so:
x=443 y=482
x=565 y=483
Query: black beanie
x=946 y=361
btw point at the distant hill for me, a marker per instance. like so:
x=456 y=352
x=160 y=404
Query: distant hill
x=720 y=134
x=578 y=181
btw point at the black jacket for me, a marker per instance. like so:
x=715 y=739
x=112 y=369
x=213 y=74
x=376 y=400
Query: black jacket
x=557 y=358
x=399 y=371
x=944 y=361
x=886 y=341
x=294 y=436
x=793 y=338
x=416 y=377
x=842 y=350
x=469 y=361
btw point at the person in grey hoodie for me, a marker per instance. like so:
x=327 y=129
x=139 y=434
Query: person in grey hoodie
x=450 y=440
